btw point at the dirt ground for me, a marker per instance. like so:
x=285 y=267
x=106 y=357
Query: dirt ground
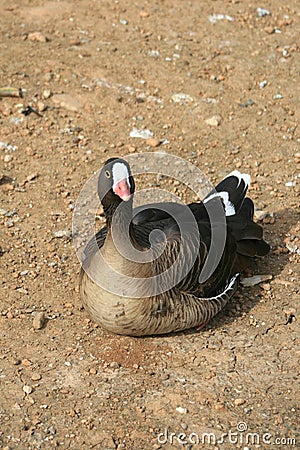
x=217 y=83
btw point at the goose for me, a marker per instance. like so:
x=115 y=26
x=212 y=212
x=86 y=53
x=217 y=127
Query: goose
x=166 y=267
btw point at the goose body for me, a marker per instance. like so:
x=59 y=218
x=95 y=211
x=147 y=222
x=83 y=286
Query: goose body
x=141 y=273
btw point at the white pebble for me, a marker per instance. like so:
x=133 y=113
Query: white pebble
x=27 y=389
x=213 y=121
x=181 y=410
x=8 y=158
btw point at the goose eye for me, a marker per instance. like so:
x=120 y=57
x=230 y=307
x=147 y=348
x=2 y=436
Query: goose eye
x=107 y=173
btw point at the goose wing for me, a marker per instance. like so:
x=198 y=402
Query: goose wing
x=181 y=249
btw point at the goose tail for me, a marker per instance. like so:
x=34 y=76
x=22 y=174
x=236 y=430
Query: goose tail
x=232 y=191
x=239 y=211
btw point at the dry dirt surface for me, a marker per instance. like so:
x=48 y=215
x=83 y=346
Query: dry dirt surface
x=217 y=83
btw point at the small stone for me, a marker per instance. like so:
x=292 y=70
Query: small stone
x=7 y=187
x=63 y=233
x=9 y=223
x=293 y=248
x=68 y=305
x=263 y=84
x=17 y=362
x=239 y=402
x=23 y=273
x=154 y=53
x=27 y=389
x=41 y=106
x=75 y=42
x=115 y=365
x=290 y=183
x=214 y=121
x=260 y=215
x=32 y=177
x=181 y=98
x=152 y=142
x=22 y=290
x=270 y=220
x=26 y=362
x=213 y=18
x=48 y=77
x=46 y=94
x=52 y=430
x=144 y=14
x=140 y=133
x=30 y=151
x=261 y=12
x=219 y=406
x=270 y=30
x=39 y=321
x=37 y=36
x=181 y=410
x=297 y=155
x=36 y=376
x=8 y=158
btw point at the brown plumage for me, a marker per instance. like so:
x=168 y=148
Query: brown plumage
x=156 y=269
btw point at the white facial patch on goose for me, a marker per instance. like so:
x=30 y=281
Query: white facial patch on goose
x=241 y=176
x=228 y=205
x=120 y=172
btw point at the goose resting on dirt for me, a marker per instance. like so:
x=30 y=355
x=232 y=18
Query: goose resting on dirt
x=131 y=282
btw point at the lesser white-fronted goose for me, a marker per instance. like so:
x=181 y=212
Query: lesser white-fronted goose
x=166 y=267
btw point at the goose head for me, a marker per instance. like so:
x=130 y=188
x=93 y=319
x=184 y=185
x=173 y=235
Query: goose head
x=115 y=184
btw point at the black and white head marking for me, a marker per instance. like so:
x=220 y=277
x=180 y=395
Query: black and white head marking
x=119 y=173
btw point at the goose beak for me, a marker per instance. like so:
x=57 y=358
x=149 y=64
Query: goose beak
x=122 y=189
